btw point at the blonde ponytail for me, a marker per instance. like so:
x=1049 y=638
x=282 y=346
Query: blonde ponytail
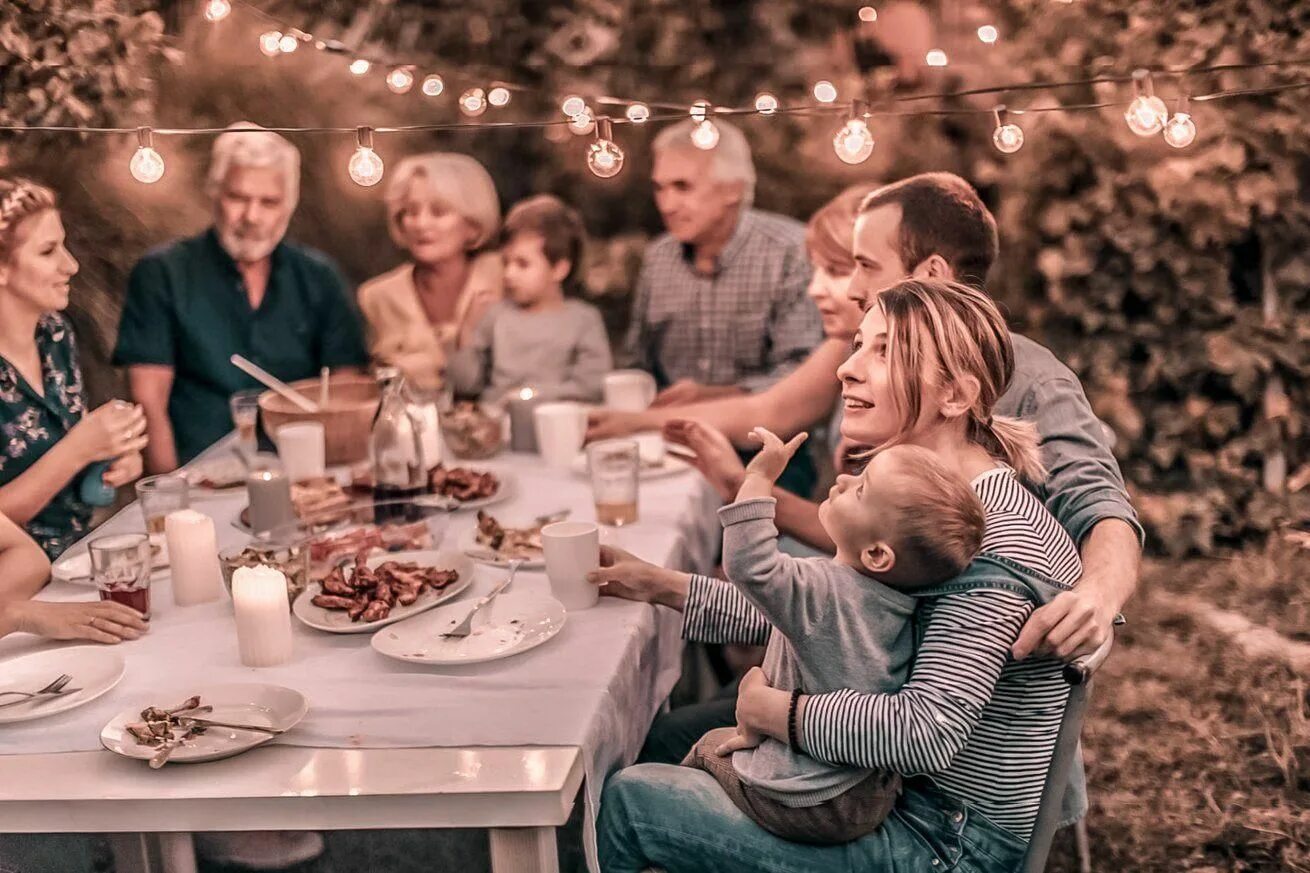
x=1013 y=441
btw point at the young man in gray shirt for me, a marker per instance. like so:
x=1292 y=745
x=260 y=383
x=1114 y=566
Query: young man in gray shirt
x=904 y=524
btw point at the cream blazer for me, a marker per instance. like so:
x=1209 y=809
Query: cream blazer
x=400 y=334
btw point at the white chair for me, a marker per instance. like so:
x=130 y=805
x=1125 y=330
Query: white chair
x=1078 y=674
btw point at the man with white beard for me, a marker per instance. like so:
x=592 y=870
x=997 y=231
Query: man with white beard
x=238 y=288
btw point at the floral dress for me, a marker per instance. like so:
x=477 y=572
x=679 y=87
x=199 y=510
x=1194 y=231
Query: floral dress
x=31 y=424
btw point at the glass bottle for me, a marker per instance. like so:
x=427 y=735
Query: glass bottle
x=396 y=448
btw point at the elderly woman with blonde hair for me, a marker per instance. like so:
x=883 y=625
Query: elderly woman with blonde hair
x=442 y=209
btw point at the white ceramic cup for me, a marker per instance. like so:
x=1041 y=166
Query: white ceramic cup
x=572 y=550
x=561 y=431
x=650 y=447
x=629 y=390
x=303 y=450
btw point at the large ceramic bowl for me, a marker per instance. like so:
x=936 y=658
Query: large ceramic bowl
x=347 y=419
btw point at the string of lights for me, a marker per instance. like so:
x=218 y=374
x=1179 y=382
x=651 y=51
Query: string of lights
x=1146 y=114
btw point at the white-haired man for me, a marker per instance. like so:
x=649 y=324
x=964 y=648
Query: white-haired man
x=237 y=288
x=720 y=306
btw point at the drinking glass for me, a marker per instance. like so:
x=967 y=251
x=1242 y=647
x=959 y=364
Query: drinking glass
x=245 y=416
x=120 y=568
x=160 y=495
x=614 y=466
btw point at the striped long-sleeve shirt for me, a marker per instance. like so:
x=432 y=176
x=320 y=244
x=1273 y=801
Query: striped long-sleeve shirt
x=982 y=726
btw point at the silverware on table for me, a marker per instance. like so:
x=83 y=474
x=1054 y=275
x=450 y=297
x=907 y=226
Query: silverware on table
x=54 y=689
x=465 y=627
x=551 y=518
x=206 y=722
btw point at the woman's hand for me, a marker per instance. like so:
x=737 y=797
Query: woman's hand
x=716 y=458
x=101 y=621
x=761 y=712
x=114 y=429
x=124 y=469
x=623 y=574
x=603 y=424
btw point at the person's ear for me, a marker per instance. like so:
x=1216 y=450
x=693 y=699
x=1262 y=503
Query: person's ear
x=559 y=271
x=959 y=396
x=878 y=558
x=933 y=267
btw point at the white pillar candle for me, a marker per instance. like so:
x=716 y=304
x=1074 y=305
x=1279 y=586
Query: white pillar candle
x=269 y=493
x=259 y=599
x=193 y=557
x=302 y=448
x=429 y=433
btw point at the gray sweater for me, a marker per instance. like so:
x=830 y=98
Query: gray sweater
x=562 y=353
x=833 y=628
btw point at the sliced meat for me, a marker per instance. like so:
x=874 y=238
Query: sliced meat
x=332 y=601
x=335 y=583
x=376 y=611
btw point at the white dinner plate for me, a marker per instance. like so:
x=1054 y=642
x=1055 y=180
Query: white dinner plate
x=221 y=473
x=95 y=670
x=512 y=624
x=483 y=554
x=238 y=703
x=76 y=568
x=504 y=492
x=669 y=466
x=336 y=621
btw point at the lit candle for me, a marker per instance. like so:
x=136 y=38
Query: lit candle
x=259 y=599
x=522 y=430
x=269 y=493
x=193 y=557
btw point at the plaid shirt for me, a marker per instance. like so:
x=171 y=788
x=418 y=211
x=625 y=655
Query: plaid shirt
x=748 y=323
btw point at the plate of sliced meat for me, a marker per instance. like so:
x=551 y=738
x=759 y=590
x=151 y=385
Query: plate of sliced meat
x=466 y=488
x=372 y=590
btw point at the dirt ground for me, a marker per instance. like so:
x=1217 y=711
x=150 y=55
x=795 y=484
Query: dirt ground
x=1198 y=757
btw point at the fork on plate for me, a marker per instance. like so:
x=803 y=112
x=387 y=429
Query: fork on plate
x=54 y=689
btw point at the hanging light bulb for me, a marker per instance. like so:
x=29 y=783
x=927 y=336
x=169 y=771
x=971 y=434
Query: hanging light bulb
x=270 y=42
x=638 y=113
x=825 y=91
x=705 y=135
x=365 y=166
x=217 y=10
x=988 y=34
x=400 y=80
x=582 y=123
x=604 y=157
x=1147 y=113
x=288 y=43
x=700 y=110
x=936 y=58
x=1180 y=129
x=473 y=102
x=854 y=142
x=433 y=85
x=359 y=66
x=766 y=103
x=868 y=14
x=572 y=105
x=1008 y=137
x=146 y=165
x=498 y=96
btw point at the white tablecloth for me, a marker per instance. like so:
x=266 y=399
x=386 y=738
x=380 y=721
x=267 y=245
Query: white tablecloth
x=597 y=685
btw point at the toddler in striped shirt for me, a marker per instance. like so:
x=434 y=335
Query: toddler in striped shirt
x=905 y=524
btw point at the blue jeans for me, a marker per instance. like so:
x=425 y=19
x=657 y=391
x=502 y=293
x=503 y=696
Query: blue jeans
x=680 y=820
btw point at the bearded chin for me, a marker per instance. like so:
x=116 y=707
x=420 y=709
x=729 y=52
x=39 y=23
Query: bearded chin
x=247 y=250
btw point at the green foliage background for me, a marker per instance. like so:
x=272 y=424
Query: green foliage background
x=1146 y=269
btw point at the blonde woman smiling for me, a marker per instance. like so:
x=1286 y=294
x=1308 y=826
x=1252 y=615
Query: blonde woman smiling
x=442 y=209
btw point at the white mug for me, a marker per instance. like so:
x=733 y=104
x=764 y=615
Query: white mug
x=302 y=450
x=561 y=431
x=650 y=446
x=629 y=390
x=572 y=550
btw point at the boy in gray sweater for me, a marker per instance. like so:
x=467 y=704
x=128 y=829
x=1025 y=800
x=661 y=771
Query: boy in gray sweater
x=537 y=338
x=905 y=523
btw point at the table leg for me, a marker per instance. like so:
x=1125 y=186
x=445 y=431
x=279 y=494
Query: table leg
x=177 y=853
x=131 y=853
x=524 y=850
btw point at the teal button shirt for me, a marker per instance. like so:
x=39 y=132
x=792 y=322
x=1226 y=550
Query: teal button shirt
x=187 y=308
